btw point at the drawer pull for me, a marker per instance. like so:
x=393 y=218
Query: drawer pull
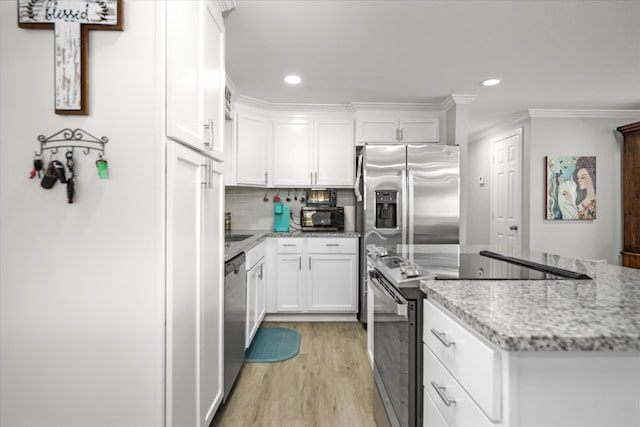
x=441 y=390
x=289 y=244
x=332 y=244
x=442 y=338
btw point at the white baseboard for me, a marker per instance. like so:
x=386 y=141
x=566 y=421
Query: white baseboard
x=315 y=317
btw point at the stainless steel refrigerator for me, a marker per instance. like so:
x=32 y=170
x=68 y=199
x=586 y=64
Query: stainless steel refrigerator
x=410 y=195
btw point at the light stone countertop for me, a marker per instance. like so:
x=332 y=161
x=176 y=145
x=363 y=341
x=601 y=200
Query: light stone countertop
x=232 y=249
x=602 y=314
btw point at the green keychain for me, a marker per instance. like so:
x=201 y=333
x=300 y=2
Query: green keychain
x=103 y=168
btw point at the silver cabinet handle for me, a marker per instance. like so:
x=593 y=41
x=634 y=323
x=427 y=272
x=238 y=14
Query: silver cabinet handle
x=332 y=244
x=397 y=134
x=206 y=141
x=289 y=244
x=442 y=338
x=266 y=178
x=316 y=177
x=309 y=263
x=311 y=177
x=401 y=134
x=441 y=390
x=513 y=227
x=299 y=263
x=260 y=274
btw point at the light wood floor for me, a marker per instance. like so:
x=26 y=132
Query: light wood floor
x=329 y=383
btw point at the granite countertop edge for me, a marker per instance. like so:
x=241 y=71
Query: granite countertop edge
x=523 y=330
x=233 y=249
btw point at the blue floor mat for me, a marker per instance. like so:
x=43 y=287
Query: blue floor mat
x=273 y=345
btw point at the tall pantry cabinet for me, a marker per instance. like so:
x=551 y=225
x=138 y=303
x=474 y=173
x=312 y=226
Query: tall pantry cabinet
x=631 y=195
x=195 y=79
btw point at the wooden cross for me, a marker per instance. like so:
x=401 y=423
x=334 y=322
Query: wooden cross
x=71 y=21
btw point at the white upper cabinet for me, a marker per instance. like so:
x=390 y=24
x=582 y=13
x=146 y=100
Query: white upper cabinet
x=316 y=153
x=334 y=153
x=252 y=149
x=391 y=127
x=195 y=75
x=292 y=153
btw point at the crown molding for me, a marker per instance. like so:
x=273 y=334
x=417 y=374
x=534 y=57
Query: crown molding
x=583 y=114
x=509 y=122
x=452 y=100
x=403 y=106
x=226 y=5
x=275 y=106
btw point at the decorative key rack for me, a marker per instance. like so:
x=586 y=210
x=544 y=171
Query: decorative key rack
x=68 y=138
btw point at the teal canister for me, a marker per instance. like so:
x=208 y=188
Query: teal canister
x=280 y=217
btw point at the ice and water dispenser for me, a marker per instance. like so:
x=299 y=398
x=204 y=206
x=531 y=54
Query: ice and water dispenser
x=386 y=209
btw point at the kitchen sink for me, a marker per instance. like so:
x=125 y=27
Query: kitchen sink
x=236 y=237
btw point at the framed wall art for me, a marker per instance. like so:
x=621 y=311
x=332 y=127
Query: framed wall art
x=571 y=187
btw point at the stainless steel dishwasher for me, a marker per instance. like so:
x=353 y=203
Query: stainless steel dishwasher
x=235 y=318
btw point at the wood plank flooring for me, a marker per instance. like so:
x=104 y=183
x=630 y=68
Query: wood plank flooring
x=329 y=383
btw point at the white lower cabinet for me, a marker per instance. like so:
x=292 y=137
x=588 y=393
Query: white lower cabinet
x=256 y=279
x=468 y=381
x=316 y=275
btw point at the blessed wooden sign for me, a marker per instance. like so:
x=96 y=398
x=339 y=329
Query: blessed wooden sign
x=71 y=21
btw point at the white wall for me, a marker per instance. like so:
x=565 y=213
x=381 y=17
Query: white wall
x=552 y=136
x=81 y=285
x=479 y=196
x=597 y=239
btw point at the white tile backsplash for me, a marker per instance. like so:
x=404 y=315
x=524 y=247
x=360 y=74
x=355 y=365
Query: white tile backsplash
x=249 y=211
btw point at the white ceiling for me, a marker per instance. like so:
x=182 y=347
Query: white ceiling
x=550 y=54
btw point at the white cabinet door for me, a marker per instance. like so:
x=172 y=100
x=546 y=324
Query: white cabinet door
x=194 y=289
x=261 y=302
x=289 y=283
x=195 y=75
x=378 y=130
x=213 y=78
x=251 y=149
x=252 y=287
x=212 y=297
x=332 y=283
x=334 y=153
x=419 y=130
x=292 y=153
x=185 y=115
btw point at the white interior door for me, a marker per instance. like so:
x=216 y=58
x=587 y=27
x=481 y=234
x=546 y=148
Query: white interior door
x=506 y=191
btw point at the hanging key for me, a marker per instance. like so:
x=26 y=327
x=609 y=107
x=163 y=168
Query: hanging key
x=71 y=180
x=38 y=165
x=103 y=168
x=49 y=178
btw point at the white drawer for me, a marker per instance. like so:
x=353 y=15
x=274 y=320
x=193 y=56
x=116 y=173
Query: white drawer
x=474 y=363
x=431 y=415
x=289 y=245
x=255 y=254
x=450 y=399
x=338 y=245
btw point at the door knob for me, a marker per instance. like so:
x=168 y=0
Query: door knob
x=513 y=227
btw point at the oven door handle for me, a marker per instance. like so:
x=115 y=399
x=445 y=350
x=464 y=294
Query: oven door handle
x=385 y=292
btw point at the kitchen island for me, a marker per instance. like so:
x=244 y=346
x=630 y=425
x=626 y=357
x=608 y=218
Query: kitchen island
x=534 y=352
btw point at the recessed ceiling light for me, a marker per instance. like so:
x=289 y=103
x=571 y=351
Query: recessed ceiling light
x=292 y=80
x=491 y=82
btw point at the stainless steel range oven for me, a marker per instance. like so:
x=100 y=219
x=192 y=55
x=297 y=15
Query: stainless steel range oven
x=397 y=352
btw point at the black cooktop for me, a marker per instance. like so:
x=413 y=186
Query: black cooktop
x=487 y=265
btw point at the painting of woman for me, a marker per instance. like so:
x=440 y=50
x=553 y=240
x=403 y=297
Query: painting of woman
x=571 y=188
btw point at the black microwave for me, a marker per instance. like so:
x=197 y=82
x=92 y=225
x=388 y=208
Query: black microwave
x=322 y=218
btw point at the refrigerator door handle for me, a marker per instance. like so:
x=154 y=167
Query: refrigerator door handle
x=410 y=210
x=403 y=217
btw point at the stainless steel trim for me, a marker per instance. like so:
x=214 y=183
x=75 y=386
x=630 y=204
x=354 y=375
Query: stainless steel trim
x=441 y=390
x=442 y=338
x=385 y=291
x=405 y=231
x=410 y=208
